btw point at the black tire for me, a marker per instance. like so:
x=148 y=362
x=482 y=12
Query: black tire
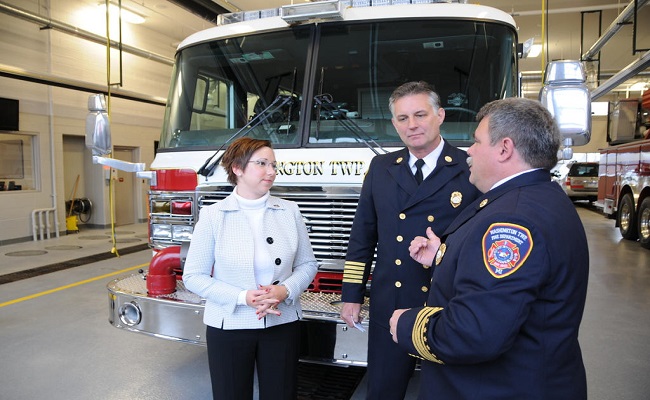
x=644 y=223
x=627 y=218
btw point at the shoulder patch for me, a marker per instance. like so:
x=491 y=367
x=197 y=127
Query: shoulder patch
x=505 y=248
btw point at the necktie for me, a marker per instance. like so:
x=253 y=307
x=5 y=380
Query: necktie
x=418 y=171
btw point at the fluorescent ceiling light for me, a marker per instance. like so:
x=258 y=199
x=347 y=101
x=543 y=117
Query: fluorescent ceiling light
x=127 y=15
x=535 y=50
x=641 y=86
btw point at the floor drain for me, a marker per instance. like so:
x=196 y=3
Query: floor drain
x=46 y=269
x=126 y=240
x=64 y=247
x=94 y=237
x=26 y=253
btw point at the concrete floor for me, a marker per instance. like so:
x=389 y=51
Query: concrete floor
x=58 y=344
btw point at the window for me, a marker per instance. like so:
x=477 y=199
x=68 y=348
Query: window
x=16 y=162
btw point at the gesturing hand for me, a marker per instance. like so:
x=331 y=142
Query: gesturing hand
x=422 y=249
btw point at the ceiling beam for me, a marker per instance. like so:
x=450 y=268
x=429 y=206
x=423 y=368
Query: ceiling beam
x=206 y=9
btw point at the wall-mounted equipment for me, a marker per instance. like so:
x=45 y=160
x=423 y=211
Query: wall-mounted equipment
x=8 y=114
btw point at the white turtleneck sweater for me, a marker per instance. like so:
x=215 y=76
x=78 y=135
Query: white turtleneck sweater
x=262 y=263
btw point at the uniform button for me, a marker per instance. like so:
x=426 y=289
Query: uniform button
x=399 y=238
x=425 y=266
x=269 y=240
x=425 y=289
x=398 y=262
x=278 y=261
x=430 y=218
x=398 y=284
x=402 y=216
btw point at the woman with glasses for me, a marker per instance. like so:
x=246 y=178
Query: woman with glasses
x=250 y=258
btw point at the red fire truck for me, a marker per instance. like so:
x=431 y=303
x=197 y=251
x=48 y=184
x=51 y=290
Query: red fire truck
x=624 y=181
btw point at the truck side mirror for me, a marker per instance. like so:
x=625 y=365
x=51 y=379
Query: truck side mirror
x=98 y=137
x=98 y=130
x=566 y=96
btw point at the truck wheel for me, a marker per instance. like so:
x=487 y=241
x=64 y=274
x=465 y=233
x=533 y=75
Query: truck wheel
x=626 y=221
x=644 y=223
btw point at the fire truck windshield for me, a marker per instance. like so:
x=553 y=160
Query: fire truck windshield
x=219 y=86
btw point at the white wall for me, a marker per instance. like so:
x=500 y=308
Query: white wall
x=51 y=112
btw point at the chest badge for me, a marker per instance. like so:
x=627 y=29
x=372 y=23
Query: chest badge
x=440 y=253
x=455 y=199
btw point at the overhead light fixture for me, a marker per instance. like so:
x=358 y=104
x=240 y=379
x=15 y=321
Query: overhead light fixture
x=640 y=86
x=127 y=15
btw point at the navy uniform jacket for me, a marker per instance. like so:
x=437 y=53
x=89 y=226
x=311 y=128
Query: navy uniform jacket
x=392 y=210
x=506 y=300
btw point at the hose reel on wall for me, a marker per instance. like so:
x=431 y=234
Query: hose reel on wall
x=82 y=208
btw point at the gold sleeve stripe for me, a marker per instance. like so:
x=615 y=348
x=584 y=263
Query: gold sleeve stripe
x=353 y=272
x=352 y=278
x=419 y=334
x=353 y=264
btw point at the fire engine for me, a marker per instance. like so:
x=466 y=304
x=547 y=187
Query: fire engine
x=624 y=177
x=314 y=79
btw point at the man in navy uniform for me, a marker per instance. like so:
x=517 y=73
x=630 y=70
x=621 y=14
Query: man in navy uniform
x=394 y=207
x=510 y=277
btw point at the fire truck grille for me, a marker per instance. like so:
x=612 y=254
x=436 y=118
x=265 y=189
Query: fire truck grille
x=328 y=218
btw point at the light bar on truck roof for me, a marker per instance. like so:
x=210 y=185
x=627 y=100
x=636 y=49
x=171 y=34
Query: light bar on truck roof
x=328 y=9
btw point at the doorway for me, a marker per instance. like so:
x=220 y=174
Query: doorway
x=124 y=188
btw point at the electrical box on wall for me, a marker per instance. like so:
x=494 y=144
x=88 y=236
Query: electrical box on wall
x=9 y=109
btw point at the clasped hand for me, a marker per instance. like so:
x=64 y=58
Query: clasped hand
x=266 y=299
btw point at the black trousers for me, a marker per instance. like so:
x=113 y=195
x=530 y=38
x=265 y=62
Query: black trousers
x=389 y=367
x=234 y=354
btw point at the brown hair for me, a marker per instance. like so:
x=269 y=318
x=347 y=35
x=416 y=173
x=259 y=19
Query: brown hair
x=239 y=153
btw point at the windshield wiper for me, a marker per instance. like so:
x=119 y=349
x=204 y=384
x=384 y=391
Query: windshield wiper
x=211 y=163
x=325 y=102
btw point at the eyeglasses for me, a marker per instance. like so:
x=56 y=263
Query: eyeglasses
x=265 y=163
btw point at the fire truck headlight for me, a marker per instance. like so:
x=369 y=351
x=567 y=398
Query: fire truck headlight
x=130 y=314
x=161 y=231
x=182 y=232
x=160 y=207
x=181 y=207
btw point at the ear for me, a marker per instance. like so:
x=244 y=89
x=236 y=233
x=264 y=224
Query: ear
x=441 y=115
x=506 y=149
x=237 y=170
